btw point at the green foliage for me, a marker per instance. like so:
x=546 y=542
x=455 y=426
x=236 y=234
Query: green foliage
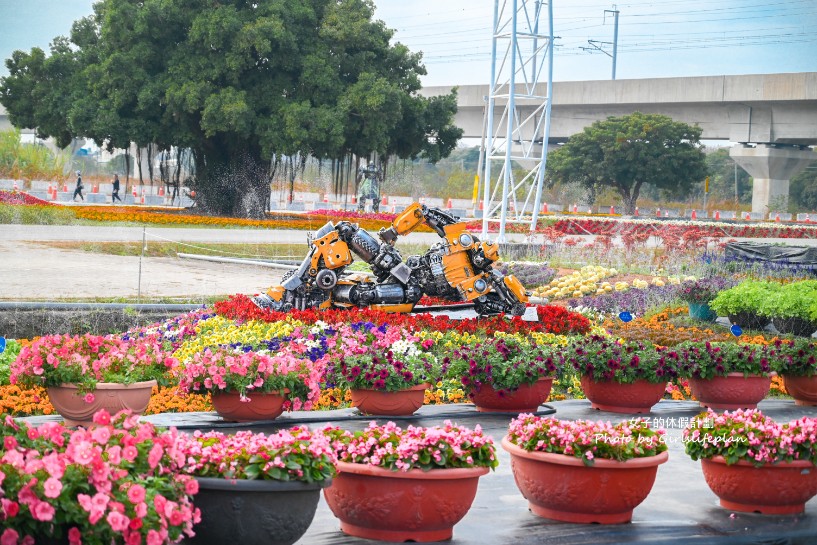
x=722 y=172
x=794 y=300
x=748 y=296
x=803 y=190
x=27 y=161
x=8 y=356
x=625 y=153
x=36 y=215
x=240 y=84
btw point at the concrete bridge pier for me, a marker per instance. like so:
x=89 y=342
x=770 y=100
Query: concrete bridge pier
x=771 y=167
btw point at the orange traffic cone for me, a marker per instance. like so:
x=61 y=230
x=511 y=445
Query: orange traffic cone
x=545 y=208
x=747 y=217
x=636 y=211
x=694 y=215
x=575 y=209
x=54 y=194
x=482 y=205
x=777 y=218
x=807 y=219
x=94 y=188
x=65 y=188
x=657 y=212
x=135 y=193
x=450 y=203
x=717 y=215
x=612 y=209
x=161 y=191
x=384 y=201
x=325 y=197
x=354 y=200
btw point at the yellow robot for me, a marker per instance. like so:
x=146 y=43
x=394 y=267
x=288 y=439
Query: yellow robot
x=458 y=268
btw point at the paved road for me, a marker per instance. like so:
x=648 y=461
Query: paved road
x=32 y=271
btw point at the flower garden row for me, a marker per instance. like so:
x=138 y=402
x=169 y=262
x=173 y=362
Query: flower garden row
x=246 y=351
x=632 y=230
x=122 y=481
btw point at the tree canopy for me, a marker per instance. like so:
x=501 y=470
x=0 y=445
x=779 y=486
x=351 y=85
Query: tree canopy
x=239 y=83
x=625 y=153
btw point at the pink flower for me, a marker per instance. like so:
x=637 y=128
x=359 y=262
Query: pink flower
x=10 y=508
x=9 y=537
x=118 y=521
x=89 y=398
x=74 y=536
x=136 y=494
x=52 y=487
x=43 y=511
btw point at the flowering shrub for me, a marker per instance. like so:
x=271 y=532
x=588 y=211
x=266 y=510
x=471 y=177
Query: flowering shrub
x=704 y=290
x=636 y=302
x=221 y=369
x=707 y=360
x=439 y=447
x=115 y=483
x=505 y=363
x=796 y=357
x=20 y=198
x=382 y=358
x=561 y=321
x=606 y=359
x=88 y=359
x=289 y=455
x=531 y=275
x=586 y=440
x=751 y=436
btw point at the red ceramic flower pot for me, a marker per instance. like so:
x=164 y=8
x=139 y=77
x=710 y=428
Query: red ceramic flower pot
x=561 y=487
x=731 y=392
x=377 y=503
x=260 y=406
x=525 y=399
x=772 y=489
x=616 y=397
x=110 y=396
x=382 y=403
x=802 y=389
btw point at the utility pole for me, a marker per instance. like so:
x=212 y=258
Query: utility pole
x=614 y=11
x=598 y=46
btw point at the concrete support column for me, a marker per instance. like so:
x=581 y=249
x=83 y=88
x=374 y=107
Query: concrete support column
x=771 y=166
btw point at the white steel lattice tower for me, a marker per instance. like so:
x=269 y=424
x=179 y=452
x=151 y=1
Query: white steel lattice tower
x=522 y=57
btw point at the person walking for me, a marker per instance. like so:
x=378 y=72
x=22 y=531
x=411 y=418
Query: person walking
x=79 y=188
x=115 y=194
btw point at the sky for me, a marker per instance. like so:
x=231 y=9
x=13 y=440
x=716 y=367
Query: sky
x=666 y=38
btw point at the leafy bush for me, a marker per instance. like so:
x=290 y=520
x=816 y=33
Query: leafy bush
x=10 y=354
x=748 y=296
x=795 y=300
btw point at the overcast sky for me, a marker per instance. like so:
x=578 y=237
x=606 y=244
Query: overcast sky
x=661 y=38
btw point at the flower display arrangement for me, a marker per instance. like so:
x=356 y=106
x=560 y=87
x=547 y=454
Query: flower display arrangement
x=295 y=454
x=703 y=290
x=427 y=448
x=751 y=436
x=388 y=358
x=624 y=361
x=586 y=440
x=225 y=369
x=89 y=359
x=797 y=357
x=706 y=360
x=504 y=362
x=117 y=482
x=561 y=321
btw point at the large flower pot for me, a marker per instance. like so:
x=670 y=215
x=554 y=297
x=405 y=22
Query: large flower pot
x=377 y=503
x=772 y=489
x=561 y=487
x=525 y=399
x=261 y=406
x=78 y=409
x=616 y=397
x=749 y=320
x=802 y=389
x=254 y=512
x=382 y=403
x=702 y=312
x=795 y=326
x=731 y=392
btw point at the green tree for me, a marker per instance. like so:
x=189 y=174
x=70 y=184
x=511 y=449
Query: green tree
x=242 y=84
x=803 y=190
x=625 y=153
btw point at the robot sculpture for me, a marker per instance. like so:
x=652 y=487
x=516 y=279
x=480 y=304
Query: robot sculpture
x=459 y=268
